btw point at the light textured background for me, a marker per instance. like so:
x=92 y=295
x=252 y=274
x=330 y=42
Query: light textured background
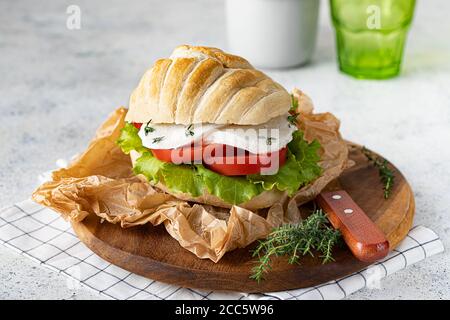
x=57 y=86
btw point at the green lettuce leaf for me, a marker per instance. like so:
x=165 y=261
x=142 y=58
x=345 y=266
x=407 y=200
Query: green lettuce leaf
x=307 y=156
x=183 y=178
x=129 y=139
x=288 y=178
x=178 y=178
x=193 y=179
x=233 y=190
x=150 y=167
x=301 y=167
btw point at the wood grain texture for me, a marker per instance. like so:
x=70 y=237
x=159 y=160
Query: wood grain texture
x=153 y=253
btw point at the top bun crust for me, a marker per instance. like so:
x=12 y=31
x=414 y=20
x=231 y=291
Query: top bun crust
x=206 y=85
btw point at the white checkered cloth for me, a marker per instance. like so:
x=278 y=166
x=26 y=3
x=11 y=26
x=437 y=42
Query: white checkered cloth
x=42 y=235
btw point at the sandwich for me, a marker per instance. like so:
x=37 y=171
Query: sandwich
x=205 y=126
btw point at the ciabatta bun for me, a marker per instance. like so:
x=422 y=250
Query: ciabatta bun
x=206 y=85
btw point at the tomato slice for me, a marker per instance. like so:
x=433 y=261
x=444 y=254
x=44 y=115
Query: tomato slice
x=223 y=159
x=191 y=154
x=137 y=125
x=240 y=162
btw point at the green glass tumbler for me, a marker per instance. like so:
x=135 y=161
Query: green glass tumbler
x=370 y=35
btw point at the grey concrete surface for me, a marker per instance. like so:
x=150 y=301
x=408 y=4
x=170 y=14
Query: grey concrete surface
x=57 y=85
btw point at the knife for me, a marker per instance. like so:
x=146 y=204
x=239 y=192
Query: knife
x=363 y=237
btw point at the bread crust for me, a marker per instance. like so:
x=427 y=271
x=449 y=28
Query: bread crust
x=206 y=85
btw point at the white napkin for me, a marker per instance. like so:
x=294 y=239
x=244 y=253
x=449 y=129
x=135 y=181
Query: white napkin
x=42 y=235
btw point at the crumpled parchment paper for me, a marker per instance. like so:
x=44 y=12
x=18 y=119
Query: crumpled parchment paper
x=100 y=181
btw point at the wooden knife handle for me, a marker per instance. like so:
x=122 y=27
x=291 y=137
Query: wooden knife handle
x=366 y=241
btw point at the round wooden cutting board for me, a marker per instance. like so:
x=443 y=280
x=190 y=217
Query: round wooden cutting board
x=151 y=252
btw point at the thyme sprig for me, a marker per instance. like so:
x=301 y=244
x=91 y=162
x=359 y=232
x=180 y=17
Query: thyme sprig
x=148 y=129
x=314 y=234
x=157 y=139
x=294 y=103
x=189 y=131
x=386 y=174
x=292 y=118
x=269 y=140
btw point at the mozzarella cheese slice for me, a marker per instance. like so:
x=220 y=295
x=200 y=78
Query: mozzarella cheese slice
x=267 y=137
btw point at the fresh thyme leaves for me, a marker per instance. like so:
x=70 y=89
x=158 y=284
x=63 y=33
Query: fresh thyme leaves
x=147 y=128
x=314 y=234
x=386 y=174
x=292 y=118
x=269 y=141
x=294 y=103
x=189 y=131
x=157 y=139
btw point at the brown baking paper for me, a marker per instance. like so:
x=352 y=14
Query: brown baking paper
x=101 y=182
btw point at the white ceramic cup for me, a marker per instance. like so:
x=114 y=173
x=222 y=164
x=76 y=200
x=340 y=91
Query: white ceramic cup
x=272 y=33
